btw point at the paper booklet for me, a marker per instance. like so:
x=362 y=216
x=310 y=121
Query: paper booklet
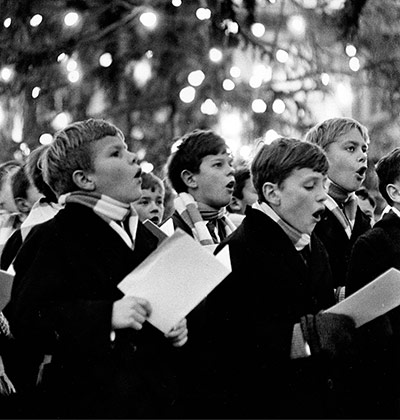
x=373 y=300
x=175 y=278
x=6 y=281
x=155 y=230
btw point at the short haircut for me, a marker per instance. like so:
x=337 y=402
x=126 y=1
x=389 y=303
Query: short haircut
x=193 y=147
x=242 y=174
x=388 y=171
x=71 y=151
x=152 y=182
x=329 y=130
x=364 y=194
x=34 y=172
x=20 y=183
x=276 y=162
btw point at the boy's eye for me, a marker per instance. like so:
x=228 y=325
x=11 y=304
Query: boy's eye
x=115 y=153
x=309 y=187
x=351 y=148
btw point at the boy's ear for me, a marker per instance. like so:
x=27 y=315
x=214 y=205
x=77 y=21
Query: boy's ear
x=236 y=205
x=83 y=180
x=22 y=205
x=189 y=178
x=271 y=193
x=393 y=191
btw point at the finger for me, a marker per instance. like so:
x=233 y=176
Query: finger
x=180 y=343
x=145 y=304
x=137 y=317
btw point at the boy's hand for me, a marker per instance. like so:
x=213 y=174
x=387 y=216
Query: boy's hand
x=130 y=312
x=178 y=334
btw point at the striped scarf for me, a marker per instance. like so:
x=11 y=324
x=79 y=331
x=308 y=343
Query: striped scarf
x=196 y=216
x=4 y=326
x=343 y=206
x=110 y=210
x=299 y=240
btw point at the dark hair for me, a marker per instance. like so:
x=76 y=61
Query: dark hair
x=192 y=149
x=365 y=195
x=6 y=168
x=388 y=171
x=152 y=182
x=34 y=172
x=276 y=162
x=242 y=174
x=20 y=183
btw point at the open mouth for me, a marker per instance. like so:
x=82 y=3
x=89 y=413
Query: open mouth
x=155 y=219
x=318 y=214
x=231 y=185
x=138 y=173
x=362 y=171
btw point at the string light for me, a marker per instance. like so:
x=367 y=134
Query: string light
x=258 y=29
x=235 y=71
x=74 y=76
x=148 y=19
x=258 y=106
x=208 y=107
x=202 y=13
x=297 y=25
x=6 y=74
x=71 y=19
x=187 y=94
x=325 y=79
x=176 y=3
x=7 y=22
x=196 y=78
x=351 y=50
x=36 y=20
x=278 y=106
x=215 y=55
x=35 y=92
x=228 y=85
x=354 y=64
x=45 y=139
x=270 y=136
x=105 y=60
x=62 y=57
x=282 y=56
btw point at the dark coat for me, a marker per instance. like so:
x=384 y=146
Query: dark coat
x=338 y=244
x=251 y=316
x=67 y=272
x=374 y=253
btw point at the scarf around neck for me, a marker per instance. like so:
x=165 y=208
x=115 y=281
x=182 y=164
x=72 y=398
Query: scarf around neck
x=196 y=215
x=343 y=206
x=112 y=211
x=299 y=240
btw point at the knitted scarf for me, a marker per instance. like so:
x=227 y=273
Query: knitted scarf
x=196 y=215
x=110 y=210
x=343 y=205
x=299 y=240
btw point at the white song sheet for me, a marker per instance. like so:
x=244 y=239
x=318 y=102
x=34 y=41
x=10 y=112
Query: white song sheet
x=6 y=281
x=373 y=300
x=175 y=278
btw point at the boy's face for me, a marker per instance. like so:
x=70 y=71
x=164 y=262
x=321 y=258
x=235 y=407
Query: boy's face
x=150 y=205
x=116 y=172
x=366 y=207
x=301 y=199
x=347 y=158
x=214 y=183
x=7 y=203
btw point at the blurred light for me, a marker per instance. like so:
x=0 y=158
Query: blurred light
x=272 y=1
x=215 y=55
x=325 y=79
x=176 y=3
x=258 y=29
x=72 y=65
x=351 y=50
x=263 y=72
x=147 y=167
x=46 y=139
x=270 y=136
x=137 y=133
x=105 y=60
x=71 y=18
x=245 y=151
x=310 y=4
x=196 y=78
x=142 y=72
x=7 y=23
x=36 y=20
x=35 y=92
x=297 y=25
x=187 y=94
x=203 y=13
x=235 y=71
x=278 y=106
x=208 y=107
x=141 y=153
x=148 y=19
x=17 y=130
x=6 y=73
x=255 y=82
x=335 y=4
x=61 y=57
x=149 y=54
x=61 y=120
x=2 y=116
x=74 y=76
x=228 y=84
x=231 y=129
x=25 y=149
x=231 y=26
x=354 y=63
x=258 y=106
x=282 y=56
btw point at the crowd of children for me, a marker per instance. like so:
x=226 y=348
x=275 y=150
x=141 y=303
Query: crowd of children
x=261 y=344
